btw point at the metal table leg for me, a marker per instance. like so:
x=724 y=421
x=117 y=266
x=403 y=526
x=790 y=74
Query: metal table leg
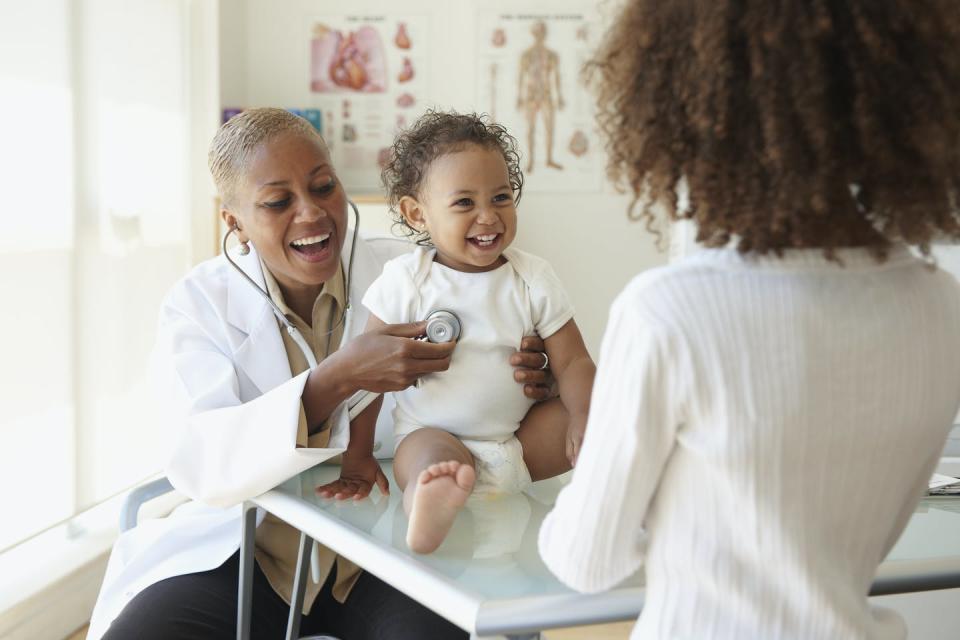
x=245 y=588
x=299 y=586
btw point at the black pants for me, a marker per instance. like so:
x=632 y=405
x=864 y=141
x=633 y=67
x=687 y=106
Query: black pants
x=204 y=606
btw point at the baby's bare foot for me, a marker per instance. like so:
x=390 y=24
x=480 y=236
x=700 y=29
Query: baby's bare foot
x=439 y=494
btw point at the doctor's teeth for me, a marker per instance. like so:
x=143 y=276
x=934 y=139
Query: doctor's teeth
x=311 y=240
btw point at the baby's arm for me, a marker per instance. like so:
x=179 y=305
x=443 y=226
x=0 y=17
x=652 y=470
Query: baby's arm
x=574 y=371
x=359 y=469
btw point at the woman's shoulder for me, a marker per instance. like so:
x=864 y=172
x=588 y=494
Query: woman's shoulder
x=205 y=284
x=658 y=280
x=665 y=292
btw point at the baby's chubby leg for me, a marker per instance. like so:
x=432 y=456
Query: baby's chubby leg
x=436 y=473
x=542 y=434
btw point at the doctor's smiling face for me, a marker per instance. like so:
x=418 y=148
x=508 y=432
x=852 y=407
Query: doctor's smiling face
x=290 y=205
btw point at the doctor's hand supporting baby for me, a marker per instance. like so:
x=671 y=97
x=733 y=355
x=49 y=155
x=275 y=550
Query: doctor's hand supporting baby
x=453 y=183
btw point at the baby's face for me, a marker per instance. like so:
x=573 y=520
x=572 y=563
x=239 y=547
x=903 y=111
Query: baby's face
x=466 y=204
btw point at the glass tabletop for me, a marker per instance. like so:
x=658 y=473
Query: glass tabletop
x=492 y=547
x=933 y=531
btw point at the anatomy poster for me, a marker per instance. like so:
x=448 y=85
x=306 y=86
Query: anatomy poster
x=528 y=78
x=368 y=77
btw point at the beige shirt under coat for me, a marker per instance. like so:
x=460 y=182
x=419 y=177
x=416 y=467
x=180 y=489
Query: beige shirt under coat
x=277 y=542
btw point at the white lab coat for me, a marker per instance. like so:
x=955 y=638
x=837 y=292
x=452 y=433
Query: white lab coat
x=232 y=408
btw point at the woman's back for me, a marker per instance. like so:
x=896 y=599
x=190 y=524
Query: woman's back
x=815 y=400
x=772 y=421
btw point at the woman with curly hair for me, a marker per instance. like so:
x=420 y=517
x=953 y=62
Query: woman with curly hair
x=768 y=411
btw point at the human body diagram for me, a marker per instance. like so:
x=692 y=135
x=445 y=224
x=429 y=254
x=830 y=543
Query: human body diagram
x=539 y=93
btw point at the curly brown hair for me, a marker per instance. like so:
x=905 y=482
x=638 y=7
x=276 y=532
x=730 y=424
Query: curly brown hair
x=805 y=123
x=434 y=134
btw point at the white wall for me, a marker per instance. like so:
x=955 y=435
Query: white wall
x=586 y=236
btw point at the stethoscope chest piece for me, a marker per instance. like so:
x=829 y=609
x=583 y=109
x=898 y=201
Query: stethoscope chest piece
x=443 y=326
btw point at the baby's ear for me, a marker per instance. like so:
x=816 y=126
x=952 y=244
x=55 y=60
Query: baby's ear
x=412 y=212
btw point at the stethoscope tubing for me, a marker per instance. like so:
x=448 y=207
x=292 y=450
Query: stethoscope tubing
x=360 y=400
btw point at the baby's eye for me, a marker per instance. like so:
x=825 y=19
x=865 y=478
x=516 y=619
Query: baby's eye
x=502 y=197
x=463 y=202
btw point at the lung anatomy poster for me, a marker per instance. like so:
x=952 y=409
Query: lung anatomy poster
x=368 y=77
x=529 y=79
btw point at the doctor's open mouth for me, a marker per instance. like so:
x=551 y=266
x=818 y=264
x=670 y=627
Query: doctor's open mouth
x=313 y=247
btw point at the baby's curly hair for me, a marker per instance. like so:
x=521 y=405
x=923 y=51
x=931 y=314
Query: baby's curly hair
x=813 y=123
x=433 y=135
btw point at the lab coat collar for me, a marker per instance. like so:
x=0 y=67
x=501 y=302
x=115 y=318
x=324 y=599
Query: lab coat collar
x=260 y=352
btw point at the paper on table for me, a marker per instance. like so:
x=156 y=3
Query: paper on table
x=939 y=480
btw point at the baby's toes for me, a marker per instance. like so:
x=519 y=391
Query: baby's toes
x=441 y=468
x=450 y=467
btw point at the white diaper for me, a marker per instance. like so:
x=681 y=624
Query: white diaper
x=500 y=466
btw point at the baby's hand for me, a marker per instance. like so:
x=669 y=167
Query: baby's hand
x=358 y=474
x=575 y=431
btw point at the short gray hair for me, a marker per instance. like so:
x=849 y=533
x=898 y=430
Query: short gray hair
x=241 y=135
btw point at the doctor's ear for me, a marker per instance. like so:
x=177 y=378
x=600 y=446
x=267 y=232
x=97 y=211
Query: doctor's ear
x=232 y=223
x=412 y=212
x=233 y=226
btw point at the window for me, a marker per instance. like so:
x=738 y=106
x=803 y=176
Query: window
x=104 y=197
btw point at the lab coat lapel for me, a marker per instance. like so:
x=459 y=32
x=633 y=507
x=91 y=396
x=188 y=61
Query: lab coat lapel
x=259 y=352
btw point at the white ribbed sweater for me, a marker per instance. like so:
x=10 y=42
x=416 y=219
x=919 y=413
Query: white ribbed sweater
x=770 y=424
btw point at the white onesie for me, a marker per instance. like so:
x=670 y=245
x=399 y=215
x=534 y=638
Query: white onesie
x=476 y=399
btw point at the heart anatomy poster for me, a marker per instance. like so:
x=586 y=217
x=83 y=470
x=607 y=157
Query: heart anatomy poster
x=368 y=78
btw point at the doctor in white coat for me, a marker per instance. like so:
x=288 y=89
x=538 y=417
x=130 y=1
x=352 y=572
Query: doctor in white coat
x=243 y=420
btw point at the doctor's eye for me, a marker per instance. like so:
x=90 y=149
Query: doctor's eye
x=277 y=204
x=325 y=188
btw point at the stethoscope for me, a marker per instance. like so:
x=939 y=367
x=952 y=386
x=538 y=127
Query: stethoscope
x=442 y=326
x=281 y=316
